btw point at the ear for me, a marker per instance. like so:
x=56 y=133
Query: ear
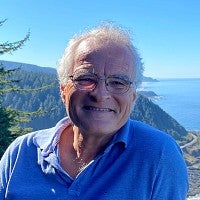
x=62 y=92
x=134 y=96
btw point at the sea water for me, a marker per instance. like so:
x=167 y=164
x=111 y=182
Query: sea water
x=180 y=98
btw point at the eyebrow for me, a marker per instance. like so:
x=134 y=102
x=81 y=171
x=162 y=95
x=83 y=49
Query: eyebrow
x=90 y=70
x=122 y=76
x=86 y=68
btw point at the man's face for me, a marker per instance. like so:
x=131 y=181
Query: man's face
x=100 y=111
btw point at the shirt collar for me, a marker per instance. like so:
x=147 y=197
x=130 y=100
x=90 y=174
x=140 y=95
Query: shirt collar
x=48 y=139
x=122 y=135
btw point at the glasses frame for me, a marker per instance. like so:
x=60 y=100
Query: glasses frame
x=98 y=78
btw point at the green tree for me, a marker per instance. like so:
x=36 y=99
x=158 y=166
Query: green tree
x=7 y=118
x=11 y=119
x=9 y=47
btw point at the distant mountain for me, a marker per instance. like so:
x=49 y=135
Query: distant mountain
x=149 y=79
x=36 y=68
x=27 y=67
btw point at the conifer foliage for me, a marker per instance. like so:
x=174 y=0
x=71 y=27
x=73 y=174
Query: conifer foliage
x=10 y=119
x=9 y=47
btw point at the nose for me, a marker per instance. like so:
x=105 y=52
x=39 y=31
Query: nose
x=100 y=92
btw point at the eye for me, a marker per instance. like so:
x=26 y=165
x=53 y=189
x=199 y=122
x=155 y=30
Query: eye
x=84 y=79
x=117 y=83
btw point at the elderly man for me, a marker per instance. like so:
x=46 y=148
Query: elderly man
x=96 y=152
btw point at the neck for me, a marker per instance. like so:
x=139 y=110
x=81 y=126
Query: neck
x=88 y=146
x=77 y=150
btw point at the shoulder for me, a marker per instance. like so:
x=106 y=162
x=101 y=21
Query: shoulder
x=150 y=140
x=147 y=132
x=28 y=143
x=28 y=139
x=158 y=148
x=24 y=144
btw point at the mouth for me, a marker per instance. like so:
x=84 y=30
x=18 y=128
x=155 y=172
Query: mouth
x=92 y=108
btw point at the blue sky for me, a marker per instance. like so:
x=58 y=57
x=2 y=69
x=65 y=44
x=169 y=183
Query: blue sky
x=166 y=32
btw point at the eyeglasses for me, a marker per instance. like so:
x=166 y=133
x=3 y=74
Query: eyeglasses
x=85 y=80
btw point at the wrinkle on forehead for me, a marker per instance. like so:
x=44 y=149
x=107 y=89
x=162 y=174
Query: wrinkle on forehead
x=85 y=50
x=94 y=46
x=89 y=49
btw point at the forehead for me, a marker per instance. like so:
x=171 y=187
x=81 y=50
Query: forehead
x=107 y=55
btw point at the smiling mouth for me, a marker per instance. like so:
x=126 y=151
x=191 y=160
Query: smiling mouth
x=98 y=109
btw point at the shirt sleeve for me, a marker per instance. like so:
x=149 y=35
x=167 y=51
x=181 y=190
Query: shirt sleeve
x=3 y=175
x=171 y=180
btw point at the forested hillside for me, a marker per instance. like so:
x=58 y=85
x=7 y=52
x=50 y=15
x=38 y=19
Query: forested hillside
x=150 y=113
x=50 y=102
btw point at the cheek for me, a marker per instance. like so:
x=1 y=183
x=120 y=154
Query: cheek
x=129 y=103
x=67 y=93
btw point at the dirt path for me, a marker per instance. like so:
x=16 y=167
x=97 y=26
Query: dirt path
x=194 y=140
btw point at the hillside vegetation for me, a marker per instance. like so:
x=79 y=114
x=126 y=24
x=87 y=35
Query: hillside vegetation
x=146 y=111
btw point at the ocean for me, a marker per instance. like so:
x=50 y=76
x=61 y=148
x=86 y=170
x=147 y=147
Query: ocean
x=180 y=98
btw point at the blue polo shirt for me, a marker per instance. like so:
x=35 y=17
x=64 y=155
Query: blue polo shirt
x=139 y=163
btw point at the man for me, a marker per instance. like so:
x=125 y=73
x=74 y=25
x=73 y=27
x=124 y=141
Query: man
x=97 y=152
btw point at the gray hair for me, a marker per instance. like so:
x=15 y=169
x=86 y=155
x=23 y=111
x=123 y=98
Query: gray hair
x=106 y=31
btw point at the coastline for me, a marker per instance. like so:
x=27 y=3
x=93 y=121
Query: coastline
x=179 y=97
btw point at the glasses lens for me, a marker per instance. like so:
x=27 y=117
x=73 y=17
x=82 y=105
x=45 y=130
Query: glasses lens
x=117 y=85
x=85 y=81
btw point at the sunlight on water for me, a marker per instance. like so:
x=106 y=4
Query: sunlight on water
x=179 y=98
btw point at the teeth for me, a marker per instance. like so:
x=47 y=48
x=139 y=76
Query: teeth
x=98 y=109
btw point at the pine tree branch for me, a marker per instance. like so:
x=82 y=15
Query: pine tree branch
x=9 y=47
x=2 y=22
